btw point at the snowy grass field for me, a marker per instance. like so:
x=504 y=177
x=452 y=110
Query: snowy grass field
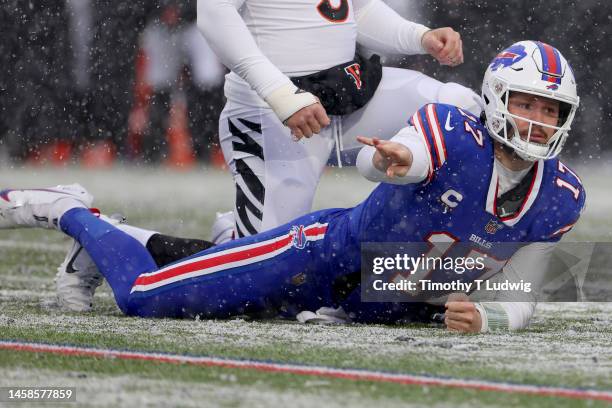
x=568 y=345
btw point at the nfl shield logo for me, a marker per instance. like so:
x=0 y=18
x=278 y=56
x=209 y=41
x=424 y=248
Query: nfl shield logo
x=299 y=237
x=493 y=226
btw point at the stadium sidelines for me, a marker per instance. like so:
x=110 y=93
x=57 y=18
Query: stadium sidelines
x=306 y=370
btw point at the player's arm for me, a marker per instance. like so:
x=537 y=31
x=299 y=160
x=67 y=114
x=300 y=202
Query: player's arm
x=381 y=29
x=229 y=37
x=425 y=138
x=401 y=160
x=465 y=316
x=511 y=310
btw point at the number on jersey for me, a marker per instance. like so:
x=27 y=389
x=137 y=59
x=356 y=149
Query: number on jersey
x=337 y=14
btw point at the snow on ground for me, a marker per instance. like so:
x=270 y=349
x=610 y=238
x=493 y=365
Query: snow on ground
x=580 y=344
x=108 y=391
x=585 y=349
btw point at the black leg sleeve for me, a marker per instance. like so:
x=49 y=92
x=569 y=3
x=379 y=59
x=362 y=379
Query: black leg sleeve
x=166 y=249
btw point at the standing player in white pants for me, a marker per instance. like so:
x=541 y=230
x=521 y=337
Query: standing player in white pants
x=295 y=74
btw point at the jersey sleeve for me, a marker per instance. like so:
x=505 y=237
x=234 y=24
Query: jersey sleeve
x=427 y=123
x=381 y=29
x=229 y=37
x=569 y=201
x=512 y=310
x=450 y=134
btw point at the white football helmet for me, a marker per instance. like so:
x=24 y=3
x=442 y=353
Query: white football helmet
x=534 y=68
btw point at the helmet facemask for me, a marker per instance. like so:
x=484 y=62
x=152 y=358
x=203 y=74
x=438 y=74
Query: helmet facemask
x=530 y=150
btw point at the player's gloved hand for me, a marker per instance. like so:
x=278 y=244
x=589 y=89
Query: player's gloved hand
x=300 y=111
x=445 y=45
x=392 y=158
x=462 y=315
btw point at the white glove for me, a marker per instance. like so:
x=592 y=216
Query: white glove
x=325 y=315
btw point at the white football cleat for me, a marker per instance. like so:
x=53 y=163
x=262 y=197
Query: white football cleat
x=30 y=208
x=77 y=280
x=223 y=228
x=78 y=276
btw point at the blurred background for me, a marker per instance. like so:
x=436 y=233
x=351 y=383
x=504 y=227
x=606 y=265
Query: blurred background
x=98 y=82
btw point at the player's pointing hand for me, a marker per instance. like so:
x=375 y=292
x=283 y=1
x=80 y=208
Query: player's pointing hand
x=445 y=45
x=392 y=158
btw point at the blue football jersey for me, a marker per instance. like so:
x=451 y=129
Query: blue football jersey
x=458 y=200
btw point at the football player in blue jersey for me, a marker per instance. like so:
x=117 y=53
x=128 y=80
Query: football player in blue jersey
x=448 y=177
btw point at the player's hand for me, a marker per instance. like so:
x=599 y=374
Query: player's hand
x=462 y=315
x=392 y=158
x=308 y=121
x=445 y=45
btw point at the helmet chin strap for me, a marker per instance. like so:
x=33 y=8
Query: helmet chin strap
x=525 y=156
x=514 y=154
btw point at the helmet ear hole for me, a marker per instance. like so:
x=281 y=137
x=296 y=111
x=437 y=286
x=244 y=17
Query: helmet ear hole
x=509 y=130
x=505 y=97
x=483 y=117
x=564 y=112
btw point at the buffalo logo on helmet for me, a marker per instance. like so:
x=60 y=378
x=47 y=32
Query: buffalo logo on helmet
x=508 y=57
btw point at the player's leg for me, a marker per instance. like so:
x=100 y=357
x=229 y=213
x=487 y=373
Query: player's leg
x=124 y=261
x=401 y=93
x=78 y=276
x=275 y=176
x=263 y=273
x=118 y=256
x=108 y=249
x=286 y=265
x=249 y=275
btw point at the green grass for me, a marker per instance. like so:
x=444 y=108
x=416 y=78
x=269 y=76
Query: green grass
x=568 y=345
x=274 y=382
